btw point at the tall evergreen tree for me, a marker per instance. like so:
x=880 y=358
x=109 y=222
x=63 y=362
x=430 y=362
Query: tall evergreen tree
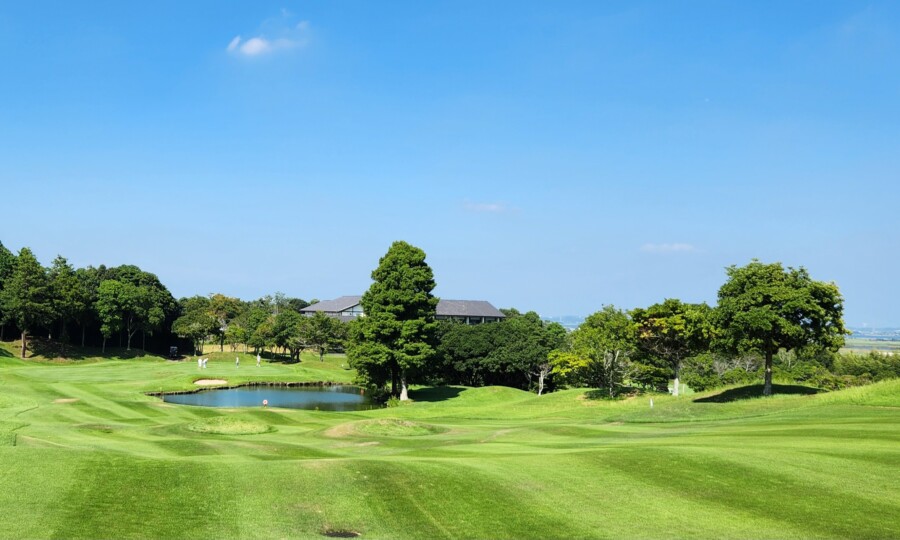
x=397 y=334
x=70 y=298
x=26 y=297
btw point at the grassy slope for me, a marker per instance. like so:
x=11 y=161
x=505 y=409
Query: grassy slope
x=489 y=462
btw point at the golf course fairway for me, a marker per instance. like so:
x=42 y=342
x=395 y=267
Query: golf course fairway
x=86 y=452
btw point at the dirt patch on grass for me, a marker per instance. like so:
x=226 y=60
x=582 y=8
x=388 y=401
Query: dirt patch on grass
x=389 y=427
x=225 y=425
x=210 y=382
x=65 y=400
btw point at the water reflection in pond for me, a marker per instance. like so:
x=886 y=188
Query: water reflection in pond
x=323 y=398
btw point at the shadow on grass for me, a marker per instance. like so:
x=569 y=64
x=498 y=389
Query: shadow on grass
x=435 y=393
x=52 y=350
x=756 y=391
x=603 y=393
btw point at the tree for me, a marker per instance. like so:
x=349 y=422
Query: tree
x=133 y=300
x=324 y=333
x=223 y=309
x=7 y=266
x=70 y=297
x=764 y=308
x=397 y=335
x=26 y=297
x=673 y=331
x=89 y=279
x=195 y=322
x=599 y=353
x=289 y=332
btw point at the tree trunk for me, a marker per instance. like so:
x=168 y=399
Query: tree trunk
x=24 y=338
x=128 y=348
x=104 y=345
x=403 y=390
x=767 y=388
x=82 y=336
x=541 y=375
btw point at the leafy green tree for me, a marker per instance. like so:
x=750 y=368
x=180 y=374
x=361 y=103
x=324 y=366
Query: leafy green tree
x=259 y=325
x=7 y=266
x=89 y=279
x=599 y=355
x=132 y=301
x=27 y=296
x=235 y=335
x=289 y=332
x=673 y=331
x=397 y=335
x=223 y=309
x=70 y=298
x=196 y=321
x=512 y=352
x=764 y=308
x=324 y=333
x=464 y=349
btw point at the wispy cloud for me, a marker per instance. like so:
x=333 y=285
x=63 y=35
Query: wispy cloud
x=489 y=208
x=277 y=35
x=668 y=248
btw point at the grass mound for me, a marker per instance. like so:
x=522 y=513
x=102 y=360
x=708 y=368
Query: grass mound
x=393 y=427
x=230 y=425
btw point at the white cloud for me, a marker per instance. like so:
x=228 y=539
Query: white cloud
x=493 y=208
x=668 y=248
x=286 y=37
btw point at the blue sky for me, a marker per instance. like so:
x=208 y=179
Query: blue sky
x=554 y=156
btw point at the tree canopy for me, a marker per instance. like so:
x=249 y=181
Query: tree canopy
x=26 y=297
x=764 y=308
x=673 y=331
x=599 y=355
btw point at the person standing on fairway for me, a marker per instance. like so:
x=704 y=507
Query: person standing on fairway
x=237 y=361
x=257 y=359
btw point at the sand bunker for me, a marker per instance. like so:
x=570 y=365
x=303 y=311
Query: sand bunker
x=65 y=400
x=210 y=382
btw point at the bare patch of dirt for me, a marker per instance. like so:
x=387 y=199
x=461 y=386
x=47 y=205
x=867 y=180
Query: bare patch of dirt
x=65 y=400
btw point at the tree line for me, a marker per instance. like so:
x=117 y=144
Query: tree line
x=764 y=312
x=768 y=320
x=94 y=305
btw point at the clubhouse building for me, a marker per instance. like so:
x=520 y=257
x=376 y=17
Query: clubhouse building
x=347 y=308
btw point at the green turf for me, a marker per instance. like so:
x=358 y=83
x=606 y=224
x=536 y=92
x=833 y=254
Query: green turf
x=86 y=453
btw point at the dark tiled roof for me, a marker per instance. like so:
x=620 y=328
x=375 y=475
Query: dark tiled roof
x=333 y=306
x=467 y=308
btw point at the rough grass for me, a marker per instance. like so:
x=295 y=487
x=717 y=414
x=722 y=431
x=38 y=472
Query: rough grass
x=87 y=454
x=230 y=425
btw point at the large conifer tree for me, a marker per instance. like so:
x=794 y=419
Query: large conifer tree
x=396 y=336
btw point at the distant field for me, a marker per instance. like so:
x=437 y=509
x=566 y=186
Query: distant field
x=866 y=345
x=86 y=454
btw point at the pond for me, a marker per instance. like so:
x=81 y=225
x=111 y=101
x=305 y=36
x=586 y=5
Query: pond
x=322 y=398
